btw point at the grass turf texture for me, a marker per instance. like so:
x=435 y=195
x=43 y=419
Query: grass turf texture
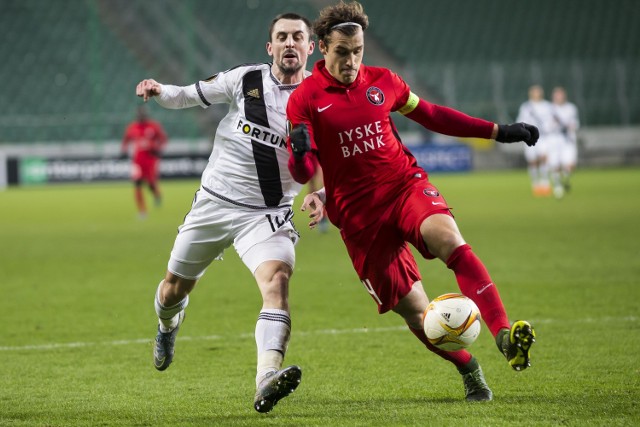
x=79 y=272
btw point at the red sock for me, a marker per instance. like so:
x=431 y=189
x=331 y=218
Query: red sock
x=458 y=358
x=474 y=282
x=140 y=200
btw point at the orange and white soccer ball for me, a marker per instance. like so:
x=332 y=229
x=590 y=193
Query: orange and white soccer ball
x=452 y=322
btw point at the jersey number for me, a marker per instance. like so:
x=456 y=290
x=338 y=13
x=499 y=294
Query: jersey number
x=277 y=221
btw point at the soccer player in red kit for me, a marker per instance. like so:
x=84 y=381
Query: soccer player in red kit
x=379 y=197
x=148 y=139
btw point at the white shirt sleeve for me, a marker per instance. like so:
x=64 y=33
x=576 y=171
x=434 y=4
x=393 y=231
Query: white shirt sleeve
x=176 y=97
x=218 y=89
x=215 y=90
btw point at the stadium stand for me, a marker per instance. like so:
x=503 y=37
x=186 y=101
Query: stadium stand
x=490 y=51
x=69 y=68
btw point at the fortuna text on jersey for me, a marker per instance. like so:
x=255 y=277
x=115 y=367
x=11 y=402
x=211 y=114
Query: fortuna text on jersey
x=261 y=134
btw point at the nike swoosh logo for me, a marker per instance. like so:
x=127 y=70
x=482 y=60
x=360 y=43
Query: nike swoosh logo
x=320 y=110
x=482 y=289
x=437 y=203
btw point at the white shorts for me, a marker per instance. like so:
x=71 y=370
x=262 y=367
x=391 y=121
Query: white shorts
x=565 y=155
x=555 y=144
x=538 y=151
x=568 y=154
x=212 y=225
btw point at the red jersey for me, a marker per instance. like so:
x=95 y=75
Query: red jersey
x=148 y=139
x=363 y=160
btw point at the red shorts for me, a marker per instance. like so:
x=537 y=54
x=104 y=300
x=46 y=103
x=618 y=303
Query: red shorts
x=145 y=168
x=380 y=253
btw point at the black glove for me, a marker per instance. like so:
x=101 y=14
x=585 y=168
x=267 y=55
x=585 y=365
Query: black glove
x=300 y=140
x=518 y=132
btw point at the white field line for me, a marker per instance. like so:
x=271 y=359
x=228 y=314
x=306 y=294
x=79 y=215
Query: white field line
x=55 y=346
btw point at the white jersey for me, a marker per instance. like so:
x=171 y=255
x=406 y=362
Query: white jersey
x=539 y=114
x=248 y=164
x=566 y=115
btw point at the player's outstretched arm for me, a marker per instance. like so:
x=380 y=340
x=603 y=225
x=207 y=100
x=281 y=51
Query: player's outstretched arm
x=445 y=120
x=451 y=122
x=315 y=202
x=148 y=88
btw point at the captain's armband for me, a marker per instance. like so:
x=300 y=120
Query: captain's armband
x=411 y=104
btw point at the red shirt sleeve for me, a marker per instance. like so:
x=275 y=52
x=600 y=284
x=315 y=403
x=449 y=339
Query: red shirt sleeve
x=402 y=91
x=451 y=122
x=303 y=169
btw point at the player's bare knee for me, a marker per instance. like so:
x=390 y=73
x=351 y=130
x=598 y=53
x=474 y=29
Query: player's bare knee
x=411 y=315
x=279 y=283
x=176 y=288
x=443 y=243
x=275 y=291
x=413 y=305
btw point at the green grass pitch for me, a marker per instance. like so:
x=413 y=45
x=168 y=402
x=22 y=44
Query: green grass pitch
x=79 y=272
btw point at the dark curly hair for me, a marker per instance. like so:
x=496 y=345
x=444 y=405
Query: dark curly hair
x=340 y=13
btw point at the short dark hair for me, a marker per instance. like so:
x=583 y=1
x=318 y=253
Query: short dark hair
x=340 y=13
x=292 y=16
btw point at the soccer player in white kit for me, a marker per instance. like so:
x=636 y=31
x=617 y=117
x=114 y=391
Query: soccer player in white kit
x=538 y=112
x=564 y=156
x=244 y=199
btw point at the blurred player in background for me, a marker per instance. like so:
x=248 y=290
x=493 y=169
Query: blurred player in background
x=379 y=197
x=564 y=155
x=245 y=200
x=537 y=111
x=148 y=140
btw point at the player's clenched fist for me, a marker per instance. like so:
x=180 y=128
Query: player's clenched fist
x=148 y=88
x=300 y=140
x=518 y=132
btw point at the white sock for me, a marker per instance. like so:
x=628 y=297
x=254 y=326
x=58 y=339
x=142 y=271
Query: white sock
x=268 y=361
x=168 y=317
x=533 y=174
x=556 y=179
x=273 y=330
x=543 y=175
